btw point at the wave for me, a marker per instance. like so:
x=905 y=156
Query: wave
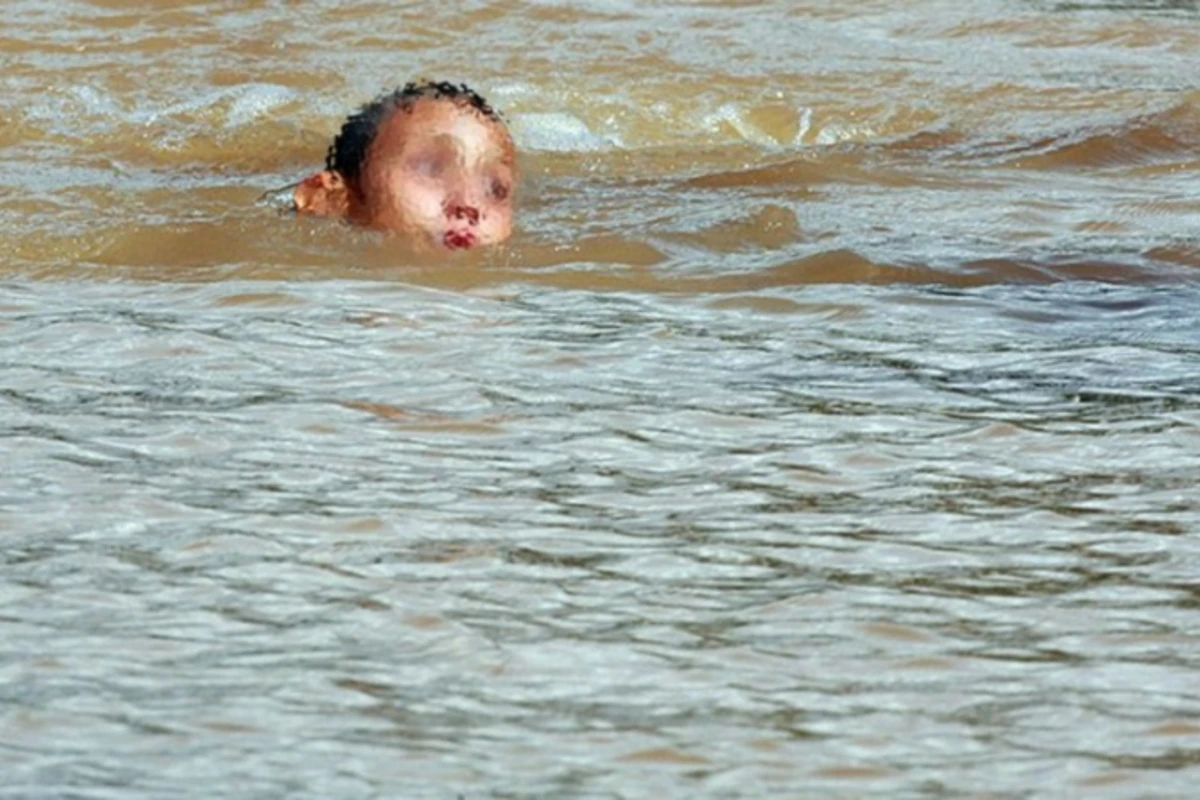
x=1172 y=134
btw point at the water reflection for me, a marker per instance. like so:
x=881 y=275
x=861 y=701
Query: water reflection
x=829 y=428
x=349 y=536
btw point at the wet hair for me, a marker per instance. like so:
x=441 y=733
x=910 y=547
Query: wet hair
x=349 y=149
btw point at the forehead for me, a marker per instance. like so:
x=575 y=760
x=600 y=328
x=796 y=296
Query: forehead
x=431 y=120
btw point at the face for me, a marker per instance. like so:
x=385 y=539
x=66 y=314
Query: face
x=440 y=173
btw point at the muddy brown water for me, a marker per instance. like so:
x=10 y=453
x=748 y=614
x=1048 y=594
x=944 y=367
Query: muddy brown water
x=830 y=428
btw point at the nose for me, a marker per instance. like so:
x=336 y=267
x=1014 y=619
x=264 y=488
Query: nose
x=459 y=210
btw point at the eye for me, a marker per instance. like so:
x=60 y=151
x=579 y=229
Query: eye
x=428 y=166
x=498 y=189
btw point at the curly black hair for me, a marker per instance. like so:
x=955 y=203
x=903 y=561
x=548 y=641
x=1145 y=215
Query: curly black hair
x=349 y=148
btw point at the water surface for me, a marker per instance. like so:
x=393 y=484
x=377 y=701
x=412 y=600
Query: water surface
x=830 y=428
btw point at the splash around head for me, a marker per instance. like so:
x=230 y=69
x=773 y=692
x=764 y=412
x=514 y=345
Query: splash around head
x=430 y=161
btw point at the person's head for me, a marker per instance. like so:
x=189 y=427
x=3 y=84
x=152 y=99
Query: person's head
x=431 y=160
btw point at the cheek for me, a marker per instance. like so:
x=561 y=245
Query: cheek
x=423 y=199
x=399 y=192
x=394 y=186
x=498 y=223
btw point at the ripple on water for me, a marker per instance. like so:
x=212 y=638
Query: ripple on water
x=828 y=428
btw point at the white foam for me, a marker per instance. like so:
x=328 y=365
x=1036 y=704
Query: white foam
x=806 y=115
x=256 y=100
x=559 y=132
x=729 y=114
x=733 y=115
x=837 y=132
x=240 y=105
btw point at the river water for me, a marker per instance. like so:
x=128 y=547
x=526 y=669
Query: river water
x=830 y=428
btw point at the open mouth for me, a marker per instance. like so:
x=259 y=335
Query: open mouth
x=458 y=240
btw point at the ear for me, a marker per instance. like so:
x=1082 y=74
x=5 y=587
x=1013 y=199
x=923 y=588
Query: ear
x=323 y=194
